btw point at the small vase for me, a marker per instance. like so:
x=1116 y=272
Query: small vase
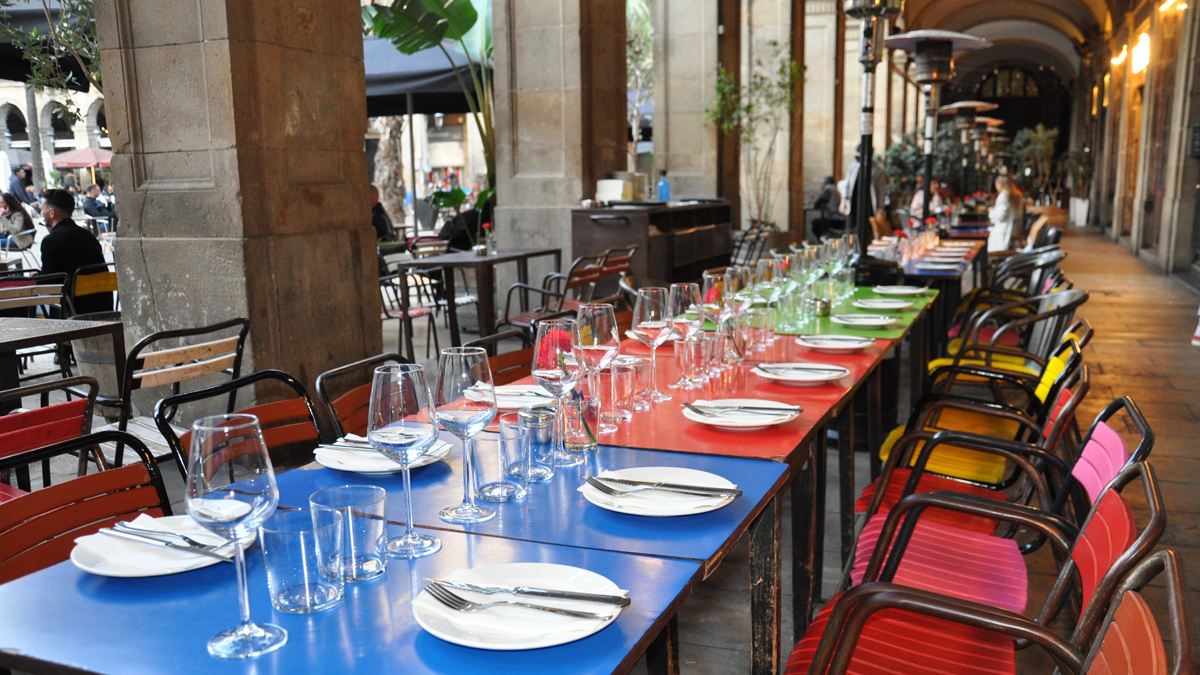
x=491 y=243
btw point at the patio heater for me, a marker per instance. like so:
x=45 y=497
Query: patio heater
x=873 y=14
x=964 y=120
x=933 y=52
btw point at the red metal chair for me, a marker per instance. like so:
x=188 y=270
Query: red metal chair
x=559 y=292
x=888 y=626
x=290 y=427
x=39 y=529
x=38 y=428
x=348 y=407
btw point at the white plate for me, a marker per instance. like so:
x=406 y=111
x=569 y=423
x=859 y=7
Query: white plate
x=515 y=396
x=372 y=463
x=514 y=628
x=741 y=421
x=937 y=266
x=884 y=304
x=802 y=378
x=621 y=360
x=89 y=560
x=660 y=504
x=832 y=345
x=957 y=243
x=899 y=290
x=864 y=320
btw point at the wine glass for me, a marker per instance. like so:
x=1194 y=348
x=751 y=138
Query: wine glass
x=595 y=343
x=465 y=402
x=551 y=370
x=650 y=314
x=231 y=491
x=686 y=320
x=401 y=426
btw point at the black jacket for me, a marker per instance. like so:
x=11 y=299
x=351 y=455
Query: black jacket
x=69 y=247
x=95 y=208
x=384 y=230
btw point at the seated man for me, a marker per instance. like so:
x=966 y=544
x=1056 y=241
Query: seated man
x=96 y=208
x=69 y=247
x=380 y=220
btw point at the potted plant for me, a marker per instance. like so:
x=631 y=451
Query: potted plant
x=1034 y=151
x=756 y=111
x=1077 y=164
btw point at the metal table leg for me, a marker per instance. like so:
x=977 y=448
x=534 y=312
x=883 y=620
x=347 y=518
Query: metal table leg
x=765 y=591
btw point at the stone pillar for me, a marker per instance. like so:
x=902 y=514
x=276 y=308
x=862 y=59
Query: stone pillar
x=820 y=40
x=238 y=130
x=560 y=115
x=685 y=77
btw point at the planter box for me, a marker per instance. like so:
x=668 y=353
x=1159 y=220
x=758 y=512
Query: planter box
x=1079 y=211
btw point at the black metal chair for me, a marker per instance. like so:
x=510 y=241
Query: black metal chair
x=347 y=397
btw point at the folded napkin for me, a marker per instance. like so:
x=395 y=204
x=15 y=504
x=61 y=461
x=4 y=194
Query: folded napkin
x=125 y=553
x=507 y=622
x=367 y=459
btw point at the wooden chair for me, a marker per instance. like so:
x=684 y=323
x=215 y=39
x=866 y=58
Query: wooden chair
x=617 y=263
x=424 y=249
x=290 y=427
x=30 y=294
x=39 y=529
x=509 y=366
x=348 y=407
x=93 y=280
x=26 y=430
x=150 y=365
x=631 y=285
x=558 y=292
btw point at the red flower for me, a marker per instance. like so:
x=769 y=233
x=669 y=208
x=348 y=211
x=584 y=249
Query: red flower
x=900 y=233
x=487 y=226
x=931 y=220
x=552 y=342
x=713 y=296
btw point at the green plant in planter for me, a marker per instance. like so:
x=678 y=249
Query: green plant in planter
x=903 y=162
x=1034 y=150
x=1079 y=166
x=756 y=111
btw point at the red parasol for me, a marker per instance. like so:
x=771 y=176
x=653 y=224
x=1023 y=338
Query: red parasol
x=81 y=158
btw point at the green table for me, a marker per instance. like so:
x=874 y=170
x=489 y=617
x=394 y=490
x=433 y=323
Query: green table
x=909 y=317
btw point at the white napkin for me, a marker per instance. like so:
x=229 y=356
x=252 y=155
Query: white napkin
x=509 y=396
x=126 y=553
x=514 y=621
x=367 y=459
x=738 y=415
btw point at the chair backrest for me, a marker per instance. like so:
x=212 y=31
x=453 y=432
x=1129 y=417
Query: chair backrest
x=630 y=286
x=290 y=426
x=147 y=367
x=424 y=249
x=92 y=280
x=1075 y=388
x=37 y=428
x=39 y=529
x=1040 y=321
x=25 y=292
x=1109 y=545
x=1129 y=641
x=507 y=367
x=1104 y=453
x=348 y=407
x=617 y=261
x=584 y=273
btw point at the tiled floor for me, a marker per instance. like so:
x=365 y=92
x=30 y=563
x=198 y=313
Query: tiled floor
x=1141 y=349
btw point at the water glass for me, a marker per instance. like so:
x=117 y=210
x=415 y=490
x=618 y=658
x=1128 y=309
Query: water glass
x=701 y=349
x=501 y=465
x=641 y=385
x=303 y=551
x=579 y=424
x=364 y=527
x=616 y=391
x=465 y=402
x=754 y=326
x=540 y=423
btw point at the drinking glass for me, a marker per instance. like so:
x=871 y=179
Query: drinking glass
x=596 y=342
x=501 y=464
x=231 y=491
x=650 y=314
x=539 y=422
x=364 y=527
x=401 y=426
x=551 y=370
x=465 y=402
x=303 y=554
x=686 y=320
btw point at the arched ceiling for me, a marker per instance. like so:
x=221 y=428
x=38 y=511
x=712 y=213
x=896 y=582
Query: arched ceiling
x=1031 y=50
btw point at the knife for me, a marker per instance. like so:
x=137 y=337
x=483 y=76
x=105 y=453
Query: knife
x=801 y=369
x=836 y=338
x=618 y=600
x=165 y=544
x=674 y=486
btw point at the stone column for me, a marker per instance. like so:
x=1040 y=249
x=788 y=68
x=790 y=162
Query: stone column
x=820 y=40
x=685 y=77
x=238 y=130
x=560 y=116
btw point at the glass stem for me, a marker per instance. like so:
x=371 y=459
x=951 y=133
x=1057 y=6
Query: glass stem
x=654 y=369
x=468 y=461
x=560 y=427
x=594 y=383
x=408 y=510
x=243 y=585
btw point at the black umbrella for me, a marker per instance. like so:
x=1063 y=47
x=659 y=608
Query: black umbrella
x=427 y=75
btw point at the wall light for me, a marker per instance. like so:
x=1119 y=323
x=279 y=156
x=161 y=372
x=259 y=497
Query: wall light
x=1141 y=54
x=1120 y=58
x=1166 y=5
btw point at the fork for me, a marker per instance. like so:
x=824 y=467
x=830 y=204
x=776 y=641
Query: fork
x=186 y=539
x=621 y=492
x=460 y=604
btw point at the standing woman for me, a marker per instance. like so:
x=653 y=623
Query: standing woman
x=1003 y=215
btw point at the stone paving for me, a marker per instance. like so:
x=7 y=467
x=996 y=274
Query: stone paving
x=1143 y=322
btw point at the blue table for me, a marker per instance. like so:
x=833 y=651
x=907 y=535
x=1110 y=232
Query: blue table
x=555 y=513
x=61 y=619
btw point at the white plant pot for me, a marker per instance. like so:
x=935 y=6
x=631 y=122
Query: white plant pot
x=1079 y=211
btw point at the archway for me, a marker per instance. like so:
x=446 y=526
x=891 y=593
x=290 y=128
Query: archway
x=97 y=125
x=55 y=128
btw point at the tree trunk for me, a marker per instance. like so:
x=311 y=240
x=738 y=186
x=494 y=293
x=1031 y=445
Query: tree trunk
x=389 y=172
x=35 y=138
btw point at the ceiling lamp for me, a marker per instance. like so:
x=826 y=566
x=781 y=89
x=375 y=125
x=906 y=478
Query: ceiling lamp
x=1141 y=53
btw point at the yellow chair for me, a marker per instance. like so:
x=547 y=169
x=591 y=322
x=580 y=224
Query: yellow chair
x=996 y=419
x=1004 y=358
